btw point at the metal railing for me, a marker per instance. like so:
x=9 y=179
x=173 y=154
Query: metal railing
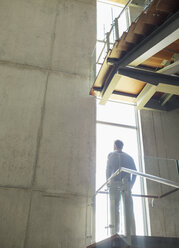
x=143 y=175
x=115 y=25
x=137 y=173
x=115 y=28
x=111 y=36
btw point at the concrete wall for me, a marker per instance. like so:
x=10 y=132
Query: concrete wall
x=161 y=148
x=47 y=122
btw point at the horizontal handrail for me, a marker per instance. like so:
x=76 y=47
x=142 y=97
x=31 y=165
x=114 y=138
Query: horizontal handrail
x=151 y=177
x=148 y=196
x=137 y=173
x=108 y=181
x=122 y=11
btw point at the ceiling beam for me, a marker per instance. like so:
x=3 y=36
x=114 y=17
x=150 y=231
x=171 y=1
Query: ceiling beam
x=165 y=98
x=156 y=104
x=164 y=35
x=148 y=76
x=144 y=97
x=112 y=86
x=171 y=89
x=170 y=69
x=161 y=37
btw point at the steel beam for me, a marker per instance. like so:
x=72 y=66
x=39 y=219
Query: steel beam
x=144 y=99
x=161 y=37
x=169 y=84
x=165 y=98
x=171 y=89
x=170 y=69
x=145 y=95
x=148 y=76
x=164 y=35
x=155 y=104
x=113 y=83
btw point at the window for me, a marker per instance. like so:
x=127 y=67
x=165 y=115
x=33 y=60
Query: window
x=116 y=121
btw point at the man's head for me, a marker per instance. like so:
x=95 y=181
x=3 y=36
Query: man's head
x=118 y=145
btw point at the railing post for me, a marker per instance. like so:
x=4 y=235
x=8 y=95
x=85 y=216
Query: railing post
x=93 y=217
x=107 y=195
x=107 y=41
x=128 y=21
x=116 y=28
x=127 y=210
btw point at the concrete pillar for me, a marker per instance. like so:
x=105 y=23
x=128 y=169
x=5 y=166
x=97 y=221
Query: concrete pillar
x=47 y=127
x=160 y=137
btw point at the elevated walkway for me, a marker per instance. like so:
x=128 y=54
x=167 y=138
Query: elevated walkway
x=147 y=50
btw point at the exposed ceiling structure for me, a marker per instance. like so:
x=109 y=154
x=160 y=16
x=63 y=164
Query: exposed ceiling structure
x=151 y=44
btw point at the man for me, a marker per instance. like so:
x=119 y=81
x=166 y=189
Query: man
x=120 y=186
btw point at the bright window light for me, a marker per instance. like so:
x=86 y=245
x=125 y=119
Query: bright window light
x=124 y=115
x=106 y=135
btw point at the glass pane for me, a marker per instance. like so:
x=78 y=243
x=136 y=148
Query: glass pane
x=116 y=113
x=99 y=48
x=161 y=167
x=106 y=135
x=101 y=217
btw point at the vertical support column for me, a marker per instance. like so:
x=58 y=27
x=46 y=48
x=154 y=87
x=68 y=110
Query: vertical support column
x=93 y=65
x=107 y=214
x=116 y=28
x=107 y=41
x=126 y=207
x=90 y=222
x=128 y=20
x=93 y=218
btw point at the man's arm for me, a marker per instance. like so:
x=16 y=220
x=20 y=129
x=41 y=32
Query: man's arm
x=108 y=168
x=133 y=167
x=112 y=164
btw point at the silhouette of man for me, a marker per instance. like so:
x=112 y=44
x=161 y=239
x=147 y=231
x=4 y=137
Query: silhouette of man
x=120 y=186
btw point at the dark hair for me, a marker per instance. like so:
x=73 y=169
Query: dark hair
x=119 y=144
